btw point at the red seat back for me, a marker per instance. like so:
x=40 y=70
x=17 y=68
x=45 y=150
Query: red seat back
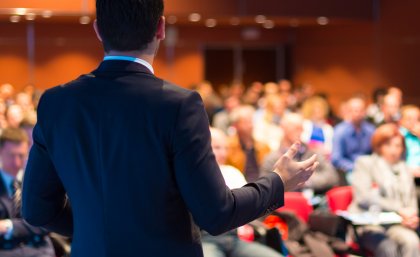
x=296 y=202
x=339 y=198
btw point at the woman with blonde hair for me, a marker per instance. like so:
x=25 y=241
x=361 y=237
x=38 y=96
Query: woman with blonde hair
x=317 y=133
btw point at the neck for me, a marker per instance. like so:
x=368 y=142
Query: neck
x=144 y=55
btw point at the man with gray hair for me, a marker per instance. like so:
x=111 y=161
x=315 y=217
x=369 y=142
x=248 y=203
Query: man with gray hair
x=324 y=178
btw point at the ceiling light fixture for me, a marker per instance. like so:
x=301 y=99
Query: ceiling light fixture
x=30 y=16
x=211 y=23
x=194 y=17
x=172 y=19
x=84 y=20
x=322 y=20
x=268 y=24
x=14 y=19
x=20 y=11
x=47 y=14
x=260 y=19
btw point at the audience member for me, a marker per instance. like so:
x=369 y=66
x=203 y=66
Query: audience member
x=351 y=137
x=17 y=238
x=245 y=152
x=382 y=182
x=211 y=100
x=6 y=93
x=229 y=244
x=324 y=178
x=267 y=119
x=221 y=120
x=317 y=133
x=373 y=112
x=253 y=94
x=14 y=115
x=390 y=110
x=410 y=118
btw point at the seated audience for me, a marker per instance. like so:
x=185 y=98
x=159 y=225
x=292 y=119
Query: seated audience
x=14 y=115
x=324 y=178
x=373 y=111
x=351 y=137
x=17 y=238
x=317 y=133
x=382 y=182
x=229 y=244
x=410 y=118
x=245 y=152
x=390 y=110
x=267 y=119
x=221 y=119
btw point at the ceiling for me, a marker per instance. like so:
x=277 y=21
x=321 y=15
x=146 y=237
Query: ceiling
x=267 y=13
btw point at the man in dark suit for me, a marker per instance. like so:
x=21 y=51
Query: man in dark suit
x=122 y=160
x=17 y=238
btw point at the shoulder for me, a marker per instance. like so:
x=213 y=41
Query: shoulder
x=367 y=126
x=177 y=92
x=366 y=160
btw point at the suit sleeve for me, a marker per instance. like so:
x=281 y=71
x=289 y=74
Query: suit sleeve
x=44 y=202
x=214 y=207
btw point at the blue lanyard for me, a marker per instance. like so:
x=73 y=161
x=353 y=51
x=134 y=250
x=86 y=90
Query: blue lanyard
x=130 y=59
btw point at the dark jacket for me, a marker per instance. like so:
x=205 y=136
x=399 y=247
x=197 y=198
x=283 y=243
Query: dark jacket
x=26 y=240
x=133 y=154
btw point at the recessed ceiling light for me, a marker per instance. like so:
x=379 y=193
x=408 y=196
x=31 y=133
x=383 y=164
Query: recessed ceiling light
x=260 y=19
x=172 y=19
x=194 y=17
x=30 y=16
x=47 y=14
x=322 y=20
x=235 y=21
x=84 y=20
x=268 y=24
x=14 y=18
x=211 y=23
x=20 y=11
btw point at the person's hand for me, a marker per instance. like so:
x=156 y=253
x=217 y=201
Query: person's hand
x=410 y=218
x=5 y=225
x=294 y=174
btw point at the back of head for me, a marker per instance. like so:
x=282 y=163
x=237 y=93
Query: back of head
x=128 y=25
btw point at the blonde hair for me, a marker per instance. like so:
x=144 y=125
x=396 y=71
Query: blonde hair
x=310 y=103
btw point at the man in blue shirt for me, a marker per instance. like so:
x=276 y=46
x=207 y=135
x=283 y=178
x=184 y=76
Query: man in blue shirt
x=352 y=137
x=17 y=238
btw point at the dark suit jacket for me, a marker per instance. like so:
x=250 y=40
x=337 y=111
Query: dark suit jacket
x=23 y=233
x=133 y=154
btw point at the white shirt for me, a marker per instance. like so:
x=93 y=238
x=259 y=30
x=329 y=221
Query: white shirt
x=233 y=177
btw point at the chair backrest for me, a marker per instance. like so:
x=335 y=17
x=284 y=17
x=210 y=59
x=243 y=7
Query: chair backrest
x=339 y=198
x=296 y=202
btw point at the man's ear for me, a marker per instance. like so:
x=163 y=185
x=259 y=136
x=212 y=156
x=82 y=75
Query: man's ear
x=95 y=27
x=160 y=33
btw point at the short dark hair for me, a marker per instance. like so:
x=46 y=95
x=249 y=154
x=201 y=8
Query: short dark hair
x=14 y=135
x=128 y=25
